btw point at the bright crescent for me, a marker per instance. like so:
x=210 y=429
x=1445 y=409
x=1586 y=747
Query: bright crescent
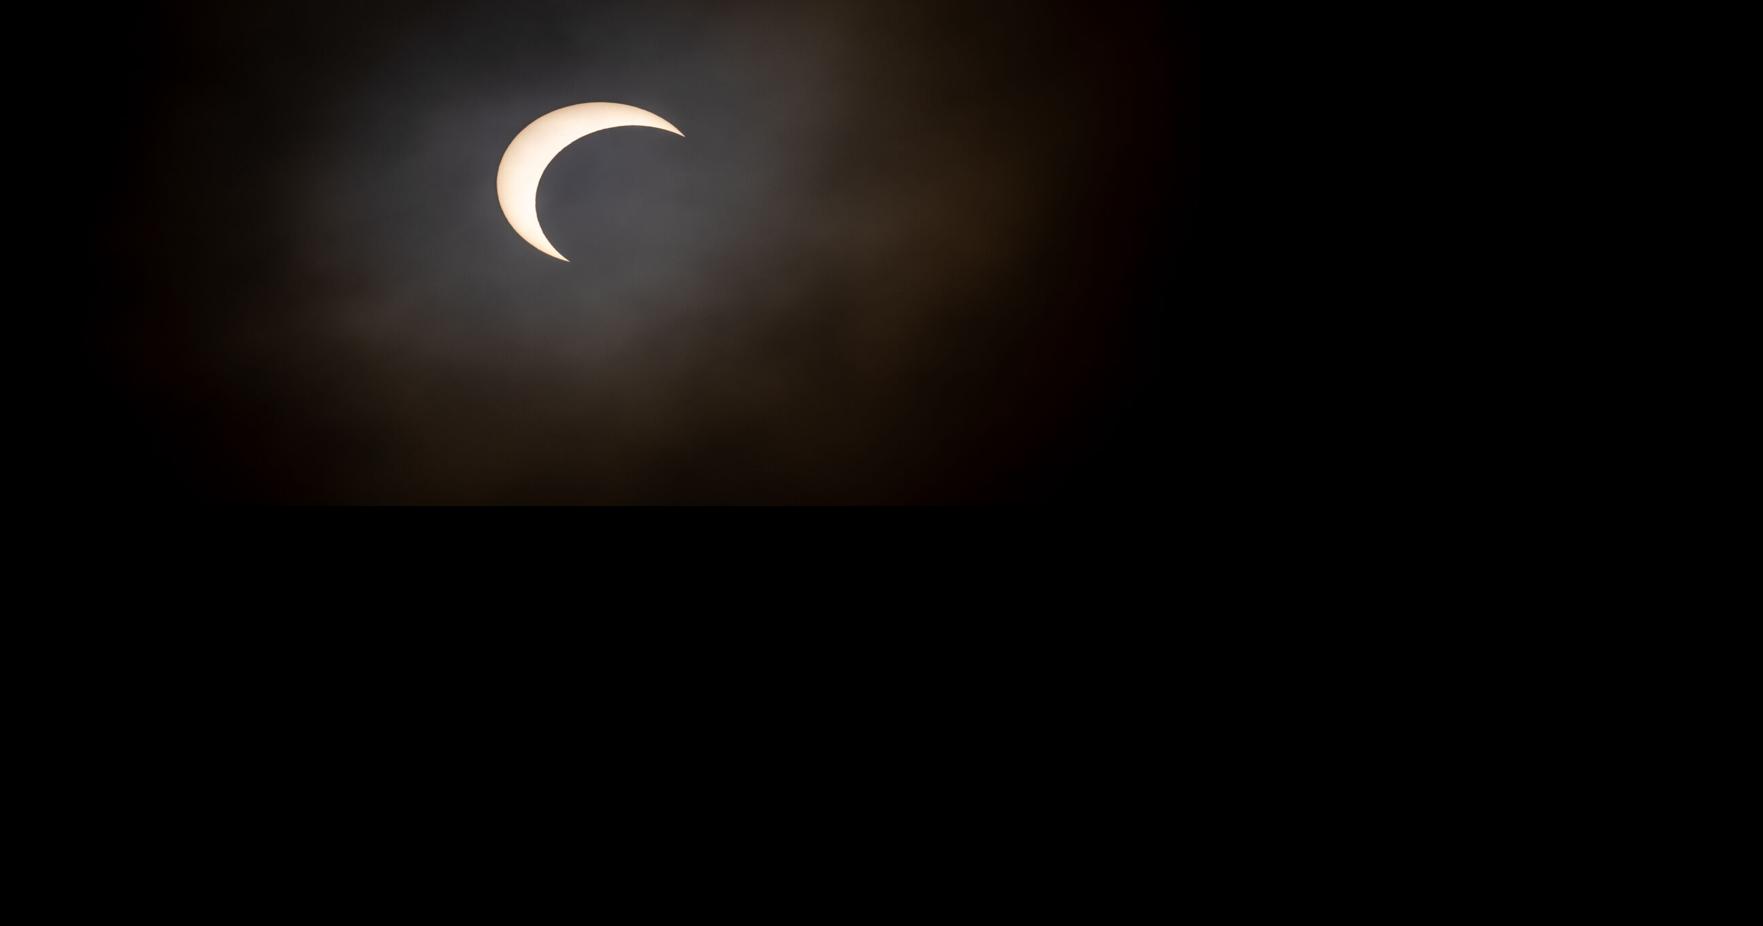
x=517 y=180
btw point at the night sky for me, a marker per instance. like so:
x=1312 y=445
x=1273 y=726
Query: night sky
x=906 y=253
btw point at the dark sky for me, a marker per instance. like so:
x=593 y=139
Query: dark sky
x=906 y=253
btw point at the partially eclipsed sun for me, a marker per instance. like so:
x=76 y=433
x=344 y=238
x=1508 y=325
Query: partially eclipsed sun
x=517 y=180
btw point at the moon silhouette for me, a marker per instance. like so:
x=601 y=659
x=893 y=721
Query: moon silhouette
x=517 y=180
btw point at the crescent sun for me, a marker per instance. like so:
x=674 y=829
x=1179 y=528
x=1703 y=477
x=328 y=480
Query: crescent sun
x=517 y=180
